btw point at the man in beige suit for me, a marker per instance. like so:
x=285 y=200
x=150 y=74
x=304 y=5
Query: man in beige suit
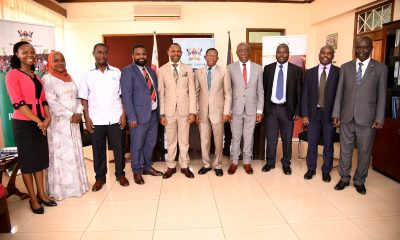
x=177 y=108
x=214 y=98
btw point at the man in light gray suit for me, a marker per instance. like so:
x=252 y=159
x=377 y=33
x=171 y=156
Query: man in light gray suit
x=247 y=105
x=359 y=110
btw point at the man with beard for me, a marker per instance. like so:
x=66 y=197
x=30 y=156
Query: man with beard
x=141 y=104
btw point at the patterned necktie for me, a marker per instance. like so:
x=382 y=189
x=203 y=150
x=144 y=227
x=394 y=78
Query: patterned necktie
x=279 y=84
x=209 y=78
x=322 y=84
x=359 y=73
x=175 y=72
x=244 y=74
x=150 y=85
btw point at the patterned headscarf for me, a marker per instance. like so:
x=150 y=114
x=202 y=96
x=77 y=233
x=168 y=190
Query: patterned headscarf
x=50 y=68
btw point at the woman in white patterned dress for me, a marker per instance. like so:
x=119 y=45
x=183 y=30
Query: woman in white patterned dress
x=67 y=172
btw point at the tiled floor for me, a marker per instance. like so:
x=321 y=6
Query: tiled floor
x=237 y=207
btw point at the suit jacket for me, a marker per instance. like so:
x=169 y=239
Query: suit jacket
x=217 y=101
x=364 y=103
x=293 y=88
x=180 y=95
x=136 y=97
x=310 y=90
x=250 y=97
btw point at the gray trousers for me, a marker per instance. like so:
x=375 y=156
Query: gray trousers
x=242 y=126
x=350 y=134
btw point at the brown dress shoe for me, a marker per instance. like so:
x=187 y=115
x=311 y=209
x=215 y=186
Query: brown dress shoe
x=187 y=172
x=152 y=172
x=123 y=181
x=248 y=168
x=98 y=185
x=138 y=178
x=232 y=169
x=169 y=172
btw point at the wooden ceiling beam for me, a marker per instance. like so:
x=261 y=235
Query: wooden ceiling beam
x=53 y=6
x=260 y=1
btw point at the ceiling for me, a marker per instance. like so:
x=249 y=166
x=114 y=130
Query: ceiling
x=265 y=1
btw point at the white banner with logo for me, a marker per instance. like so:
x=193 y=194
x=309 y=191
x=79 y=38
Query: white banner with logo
x=297 y=48
x=194 y=50
x=43 y=40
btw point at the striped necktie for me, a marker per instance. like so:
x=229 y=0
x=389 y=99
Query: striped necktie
x=150 y=85
x=175 y=72
x=359 y=73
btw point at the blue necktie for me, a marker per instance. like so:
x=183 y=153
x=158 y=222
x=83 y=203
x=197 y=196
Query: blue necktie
x=359 y=73
x=209 y=78
x=279 y=84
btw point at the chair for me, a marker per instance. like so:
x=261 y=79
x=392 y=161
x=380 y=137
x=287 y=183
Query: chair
x=303 y=137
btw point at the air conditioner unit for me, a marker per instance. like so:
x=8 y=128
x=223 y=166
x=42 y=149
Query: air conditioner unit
x=157 y=12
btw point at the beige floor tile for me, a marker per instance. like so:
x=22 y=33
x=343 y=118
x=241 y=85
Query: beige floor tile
x=266 y=232
x=118 y=235
x=278 y=183
x=329 y=230
x=355 y=205
x=306 y=207
x=380 y=228
x=391 y=196
x=48 y=236
x=20 y=212
x=248 y=212
x=192 y=234
x=125 y=215
x=5 y=236
x=237 y=185
x=149 y=190
x=187 y=213
x=67 y=216
x=199 y=187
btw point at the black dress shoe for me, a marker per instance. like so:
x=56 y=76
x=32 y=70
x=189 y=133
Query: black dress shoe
x=39 y=210
x=309 y=175
x=169 y=173
x=267 y=168
x=361 y=189
x=287 y=170
x=50 y=203
x=203 y=170
x=187 y=172
x=341 y=185
x=326 y=177
x=152 y=172
x=137 y=177
x=219 y=172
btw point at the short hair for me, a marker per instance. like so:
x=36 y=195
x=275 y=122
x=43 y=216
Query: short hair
x=328 y=46
x=365 y=38
x=99 y=45
x=15 y=62
x=284 y=45
x=174 y=44
x=211 y=49
x=137 y=46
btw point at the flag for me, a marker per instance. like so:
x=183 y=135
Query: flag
x=229 y=59
x=154 y=57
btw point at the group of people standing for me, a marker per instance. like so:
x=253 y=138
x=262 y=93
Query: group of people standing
x=243 y=94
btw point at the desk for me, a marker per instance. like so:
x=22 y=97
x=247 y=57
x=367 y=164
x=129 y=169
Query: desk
x=5 y=163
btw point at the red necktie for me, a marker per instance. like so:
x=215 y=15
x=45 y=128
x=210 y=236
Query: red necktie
x=244 y=74
x=150 y=85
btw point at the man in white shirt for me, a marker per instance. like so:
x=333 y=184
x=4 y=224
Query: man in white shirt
x=105 y=119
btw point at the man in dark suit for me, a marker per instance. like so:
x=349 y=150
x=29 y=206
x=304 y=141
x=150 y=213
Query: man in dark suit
x=359 y=110
x=317 y=98
x=282 y=86
x=140 y=101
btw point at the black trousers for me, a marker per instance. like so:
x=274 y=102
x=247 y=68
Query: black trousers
x=278 y=121
x=115 y=136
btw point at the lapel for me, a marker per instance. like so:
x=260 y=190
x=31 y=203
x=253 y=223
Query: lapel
x=251 y=78
x=139 y=74
x=203 y=77
x=288 y=77
x=215 y=78
x=170 y=73
x=239 y=72
x=369 y=70
x=271 y=76
x=315 y=80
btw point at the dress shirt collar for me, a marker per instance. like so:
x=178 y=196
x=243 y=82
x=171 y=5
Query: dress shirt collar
x=365 y=63
x=327 y=67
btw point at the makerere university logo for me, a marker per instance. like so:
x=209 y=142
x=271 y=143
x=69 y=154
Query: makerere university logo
x=194 y=53
x=25 y=35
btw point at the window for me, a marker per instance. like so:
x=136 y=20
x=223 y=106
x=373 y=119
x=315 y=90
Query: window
x=372 y=19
